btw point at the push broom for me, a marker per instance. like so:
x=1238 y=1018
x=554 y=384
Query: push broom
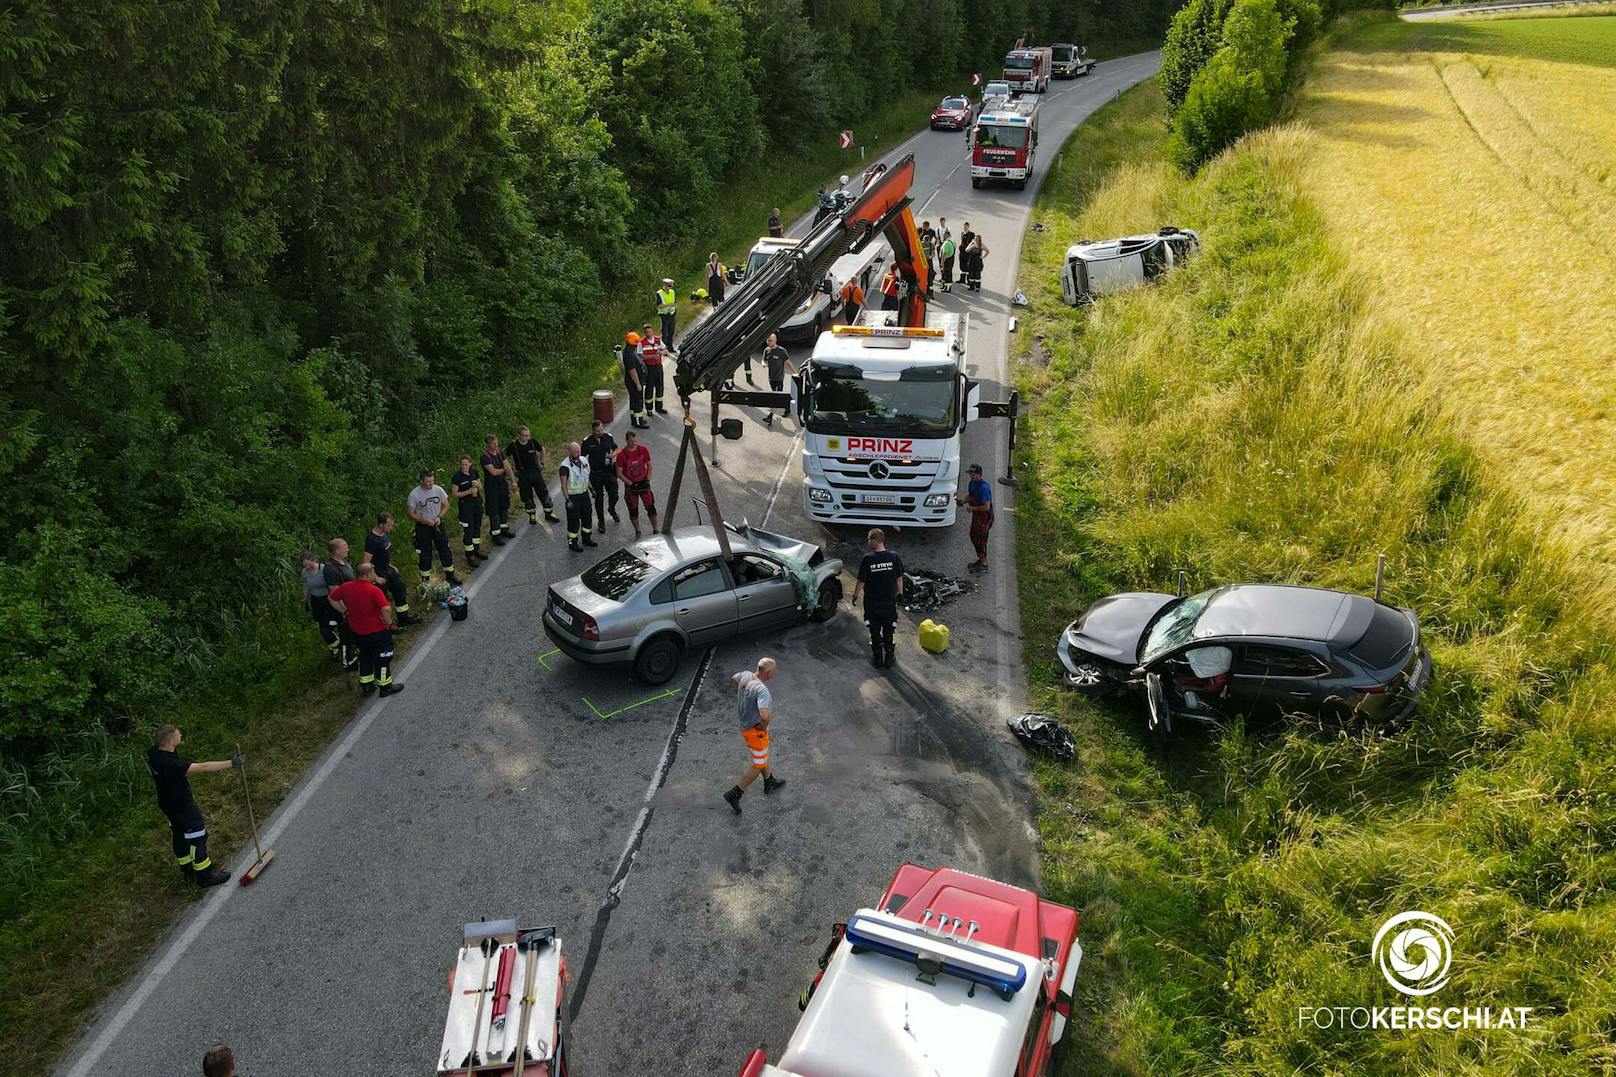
x=252 y=822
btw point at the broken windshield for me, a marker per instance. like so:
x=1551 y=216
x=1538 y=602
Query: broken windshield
x=1174 y=627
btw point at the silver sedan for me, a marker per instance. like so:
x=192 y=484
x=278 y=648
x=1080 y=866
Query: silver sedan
x=657 y=598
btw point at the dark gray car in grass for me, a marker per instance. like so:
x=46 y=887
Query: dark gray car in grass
x=1250 y=649
x=658 y=598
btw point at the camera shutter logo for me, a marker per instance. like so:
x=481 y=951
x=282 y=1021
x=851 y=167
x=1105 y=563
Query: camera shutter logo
x=1414 y=950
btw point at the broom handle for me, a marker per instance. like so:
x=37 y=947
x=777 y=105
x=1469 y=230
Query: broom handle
x=252 y=821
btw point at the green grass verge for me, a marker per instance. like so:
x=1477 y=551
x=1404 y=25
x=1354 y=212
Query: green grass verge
x=88 y=885
x=1250 y=418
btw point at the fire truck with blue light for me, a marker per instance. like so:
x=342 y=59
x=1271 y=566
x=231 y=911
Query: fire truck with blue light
x=1004 y=142
x=948 y=975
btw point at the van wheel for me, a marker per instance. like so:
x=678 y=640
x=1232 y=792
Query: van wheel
x=830 y=596
x=976 y=181
x=658 y=660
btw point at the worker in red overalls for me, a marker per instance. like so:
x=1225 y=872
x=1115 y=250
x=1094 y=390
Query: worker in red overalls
x=652 y=354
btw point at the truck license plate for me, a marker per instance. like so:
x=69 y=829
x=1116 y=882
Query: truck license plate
x=561 y=615
x=880 y=499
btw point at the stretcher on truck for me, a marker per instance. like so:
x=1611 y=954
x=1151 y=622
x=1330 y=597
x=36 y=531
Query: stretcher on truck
x=507 y=1012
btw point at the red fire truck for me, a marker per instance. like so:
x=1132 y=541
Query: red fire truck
x=1005 y=142
x=949 y=975
x=1029 y=70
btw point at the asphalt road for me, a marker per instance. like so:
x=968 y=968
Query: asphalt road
x=507 y=781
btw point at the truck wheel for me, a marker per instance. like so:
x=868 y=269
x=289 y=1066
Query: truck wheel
x=658 y=660
x=830 y=596
x=1021 y=185
x=976 y=182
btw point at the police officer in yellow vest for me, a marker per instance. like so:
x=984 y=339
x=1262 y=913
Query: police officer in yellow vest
x=667 y=306
x=575 y=485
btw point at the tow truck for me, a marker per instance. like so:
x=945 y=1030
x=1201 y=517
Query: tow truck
x=773 y=291
x=884 y=411
x=948 y=975
x=1071 y=61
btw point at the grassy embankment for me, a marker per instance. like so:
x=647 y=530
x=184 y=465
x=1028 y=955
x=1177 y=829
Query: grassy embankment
x=1281 y=410
x=88 y=884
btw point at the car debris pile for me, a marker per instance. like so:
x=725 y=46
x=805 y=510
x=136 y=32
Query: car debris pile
x=924 y=592
x=1044 y=733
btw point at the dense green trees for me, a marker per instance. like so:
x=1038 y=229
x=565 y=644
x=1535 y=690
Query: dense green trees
x=1226 y=65
x=248 y=249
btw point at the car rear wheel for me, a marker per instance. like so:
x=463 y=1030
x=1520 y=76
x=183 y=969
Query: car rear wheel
x=1090 y=680
x=830 y=596
x=658 y=660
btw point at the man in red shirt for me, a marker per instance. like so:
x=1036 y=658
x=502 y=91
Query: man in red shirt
x=370 y=619
x=634 y=468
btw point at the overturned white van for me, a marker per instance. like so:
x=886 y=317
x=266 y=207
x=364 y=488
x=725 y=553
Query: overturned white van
x=1094 y=269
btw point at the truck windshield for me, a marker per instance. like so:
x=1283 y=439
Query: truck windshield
x=1018 y=63
x=757 y=261
x=920 y=400
x=1064 y=53
x=1004 y=138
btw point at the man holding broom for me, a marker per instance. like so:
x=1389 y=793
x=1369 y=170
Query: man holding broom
x=169 y=770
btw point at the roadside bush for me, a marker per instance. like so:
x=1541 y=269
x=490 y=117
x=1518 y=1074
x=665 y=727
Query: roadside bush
x=1224 y=103
x=1225 y=69
x=1193 y=38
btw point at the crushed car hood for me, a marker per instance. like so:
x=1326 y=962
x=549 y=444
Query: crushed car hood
x=1112 y=627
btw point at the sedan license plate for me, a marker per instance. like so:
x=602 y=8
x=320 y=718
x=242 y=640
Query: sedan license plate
x=880 y=499
x=561 y=615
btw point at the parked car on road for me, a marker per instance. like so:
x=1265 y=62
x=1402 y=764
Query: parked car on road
x=998 y=90
x=952 y=114
x=659 y=597
x=1249 y=648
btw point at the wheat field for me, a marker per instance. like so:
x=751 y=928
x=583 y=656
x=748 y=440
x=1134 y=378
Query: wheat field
x=1470 y=170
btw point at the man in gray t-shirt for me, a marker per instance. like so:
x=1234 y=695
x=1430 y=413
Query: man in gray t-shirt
x=754 y=705
x=426 y=506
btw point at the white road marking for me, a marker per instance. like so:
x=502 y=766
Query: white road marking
x=785 y=466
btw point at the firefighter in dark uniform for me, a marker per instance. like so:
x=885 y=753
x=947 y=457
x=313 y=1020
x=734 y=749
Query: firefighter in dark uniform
x=496 y=491
x=338 y=571
x=575 y=487
x=426 y=505
x=628 y=354
x=468 y=495
x=527 y=457
x=880 y=581
x=601 y=450
x=379 y=555
x=169 y=771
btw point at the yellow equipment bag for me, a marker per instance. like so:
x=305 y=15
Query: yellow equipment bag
x=933 y=636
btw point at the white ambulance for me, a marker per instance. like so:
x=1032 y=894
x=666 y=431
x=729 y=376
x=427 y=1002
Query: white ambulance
x=883 y=410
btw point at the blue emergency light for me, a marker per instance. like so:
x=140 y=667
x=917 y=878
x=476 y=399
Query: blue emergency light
x=912 y=944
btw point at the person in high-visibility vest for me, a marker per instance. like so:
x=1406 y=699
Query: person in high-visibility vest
x=667 y=307
x=653 y=350
x=575 y=485
x=891 y=292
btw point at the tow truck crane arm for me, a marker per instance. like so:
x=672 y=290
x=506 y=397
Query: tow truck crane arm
x=711 y=353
